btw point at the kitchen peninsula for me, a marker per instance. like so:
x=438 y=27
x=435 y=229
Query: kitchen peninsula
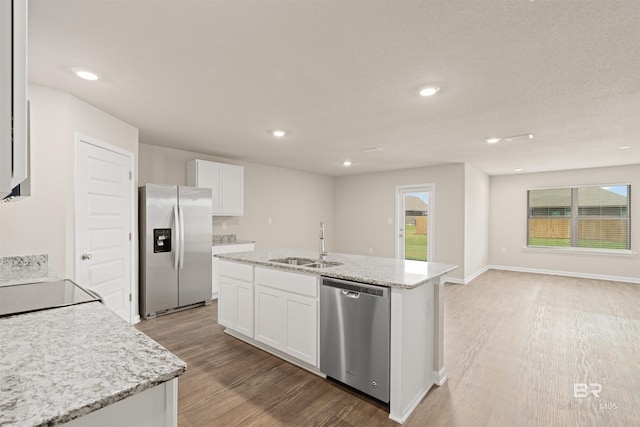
x=78 y=364
x=284 y=284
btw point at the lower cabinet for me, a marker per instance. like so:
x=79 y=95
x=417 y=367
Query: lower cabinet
x=235 y=304
x=287 y=320
x=282 y=307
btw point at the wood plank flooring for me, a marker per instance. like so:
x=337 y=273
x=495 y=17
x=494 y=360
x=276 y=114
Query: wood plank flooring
x=515 y=344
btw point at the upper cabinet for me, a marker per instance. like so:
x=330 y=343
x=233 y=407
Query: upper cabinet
x=226 y=183
x=13 y=95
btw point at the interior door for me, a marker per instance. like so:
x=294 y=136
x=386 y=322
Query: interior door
x=103 y=224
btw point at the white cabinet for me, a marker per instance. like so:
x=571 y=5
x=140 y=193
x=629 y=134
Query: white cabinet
x=286 y=312
x=224 y=249
x=235 y=300
x=13 y=95
x=226 y=183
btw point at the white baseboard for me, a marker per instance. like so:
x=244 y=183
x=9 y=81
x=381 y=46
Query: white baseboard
x=468 y=278
x=566 y=273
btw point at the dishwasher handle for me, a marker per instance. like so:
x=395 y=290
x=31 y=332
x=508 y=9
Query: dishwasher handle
x=350 y=294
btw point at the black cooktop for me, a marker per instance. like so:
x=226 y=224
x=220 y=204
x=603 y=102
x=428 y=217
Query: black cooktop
x=16 y=299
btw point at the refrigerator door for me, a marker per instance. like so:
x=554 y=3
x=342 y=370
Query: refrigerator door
x=195 y=263
x=158 y=248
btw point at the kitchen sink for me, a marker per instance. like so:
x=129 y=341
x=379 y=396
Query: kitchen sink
x=294 y=261
x=323 y=264
x=306 y=262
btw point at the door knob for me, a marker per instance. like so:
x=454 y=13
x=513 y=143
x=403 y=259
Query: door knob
x=86 y=256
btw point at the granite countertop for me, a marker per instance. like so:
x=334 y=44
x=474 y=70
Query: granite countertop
x=235 y=242
x=366 y=269
x=16 y=270
x=60 y=364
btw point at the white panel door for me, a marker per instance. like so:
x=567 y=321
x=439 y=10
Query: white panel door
x=103 y=225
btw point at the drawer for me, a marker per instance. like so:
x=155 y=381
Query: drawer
x=235 y=270
x=302 y=284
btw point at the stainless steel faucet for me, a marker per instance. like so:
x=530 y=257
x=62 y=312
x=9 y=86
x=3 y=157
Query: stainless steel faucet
x=323 y=248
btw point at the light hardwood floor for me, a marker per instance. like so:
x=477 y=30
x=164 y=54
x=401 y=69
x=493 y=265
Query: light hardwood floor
x=515 y=344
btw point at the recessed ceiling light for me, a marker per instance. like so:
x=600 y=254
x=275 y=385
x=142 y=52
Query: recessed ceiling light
x=517 y=170
x=278 y=133
x=625 y=147
x=371 y=150
x=85 y=74
x=493 y=140
x=346 y=163
x=429 y=91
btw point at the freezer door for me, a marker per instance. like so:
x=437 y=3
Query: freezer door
x=194 y=280
x=158 y=276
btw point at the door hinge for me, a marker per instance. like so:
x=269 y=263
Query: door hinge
x=130 y=175
x=130 y=298
x=129 y=236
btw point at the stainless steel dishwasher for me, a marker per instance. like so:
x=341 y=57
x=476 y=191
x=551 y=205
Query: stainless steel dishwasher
x=354 y=335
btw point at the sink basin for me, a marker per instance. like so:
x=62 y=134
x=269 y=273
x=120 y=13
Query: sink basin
x=306 y=262
x=323 y=264
x=294 y=261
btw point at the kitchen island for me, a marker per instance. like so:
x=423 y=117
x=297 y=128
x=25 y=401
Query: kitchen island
x=251 y=281
x=85 y=366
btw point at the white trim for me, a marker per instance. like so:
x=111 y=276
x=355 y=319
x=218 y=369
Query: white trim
x=440 y=377
x=424 y=188
x=473 y=276
x=171 y=403
x=567 y=273
x=582 y=251
x=79 y=138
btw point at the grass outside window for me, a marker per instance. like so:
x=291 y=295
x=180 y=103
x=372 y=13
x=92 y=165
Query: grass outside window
x=415 y=245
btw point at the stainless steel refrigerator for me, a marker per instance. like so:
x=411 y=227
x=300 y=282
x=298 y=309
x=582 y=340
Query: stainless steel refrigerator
x=175 y=248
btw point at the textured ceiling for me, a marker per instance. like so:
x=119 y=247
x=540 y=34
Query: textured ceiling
x=342 y=76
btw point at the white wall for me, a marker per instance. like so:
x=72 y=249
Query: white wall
x=476 y=222
x=295 y=201
x=364 y=203
x=508 y=224
x=43 y=223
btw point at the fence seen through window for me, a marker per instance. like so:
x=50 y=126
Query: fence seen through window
x=583 y=217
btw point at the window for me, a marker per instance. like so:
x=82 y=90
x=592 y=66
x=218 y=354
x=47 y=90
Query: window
x=580 y=217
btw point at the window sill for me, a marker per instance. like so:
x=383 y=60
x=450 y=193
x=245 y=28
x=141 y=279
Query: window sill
x=581 y=251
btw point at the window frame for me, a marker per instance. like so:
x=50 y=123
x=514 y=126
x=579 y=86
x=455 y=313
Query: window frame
x=575 y=218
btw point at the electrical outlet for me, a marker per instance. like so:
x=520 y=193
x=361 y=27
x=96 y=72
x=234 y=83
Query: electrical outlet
x=389 y=220
x=224 y=225
x=370 y=250
x=503 y=250
x=269 y=221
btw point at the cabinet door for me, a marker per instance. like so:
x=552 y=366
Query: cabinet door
x=227 y=302
x=209 y=175
x=232 y=190
x=244 y=308
x=302 y=328
x=270 y=317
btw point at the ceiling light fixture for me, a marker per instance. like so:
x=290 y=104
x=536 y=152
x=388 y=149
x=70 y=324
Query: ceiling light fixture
x=346 y=163
x=517 y=170
x=85 y=74
x=625 y=147
x=371 y=150
x=278 y=133
x=512 y=138
x=429 y=91
x=518 y=137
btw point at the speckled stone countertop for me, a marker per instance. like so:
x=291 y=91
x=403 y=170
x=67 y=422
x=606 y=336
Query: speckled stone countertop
x=365 y=269
x=15 y=270
x=60 y=364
